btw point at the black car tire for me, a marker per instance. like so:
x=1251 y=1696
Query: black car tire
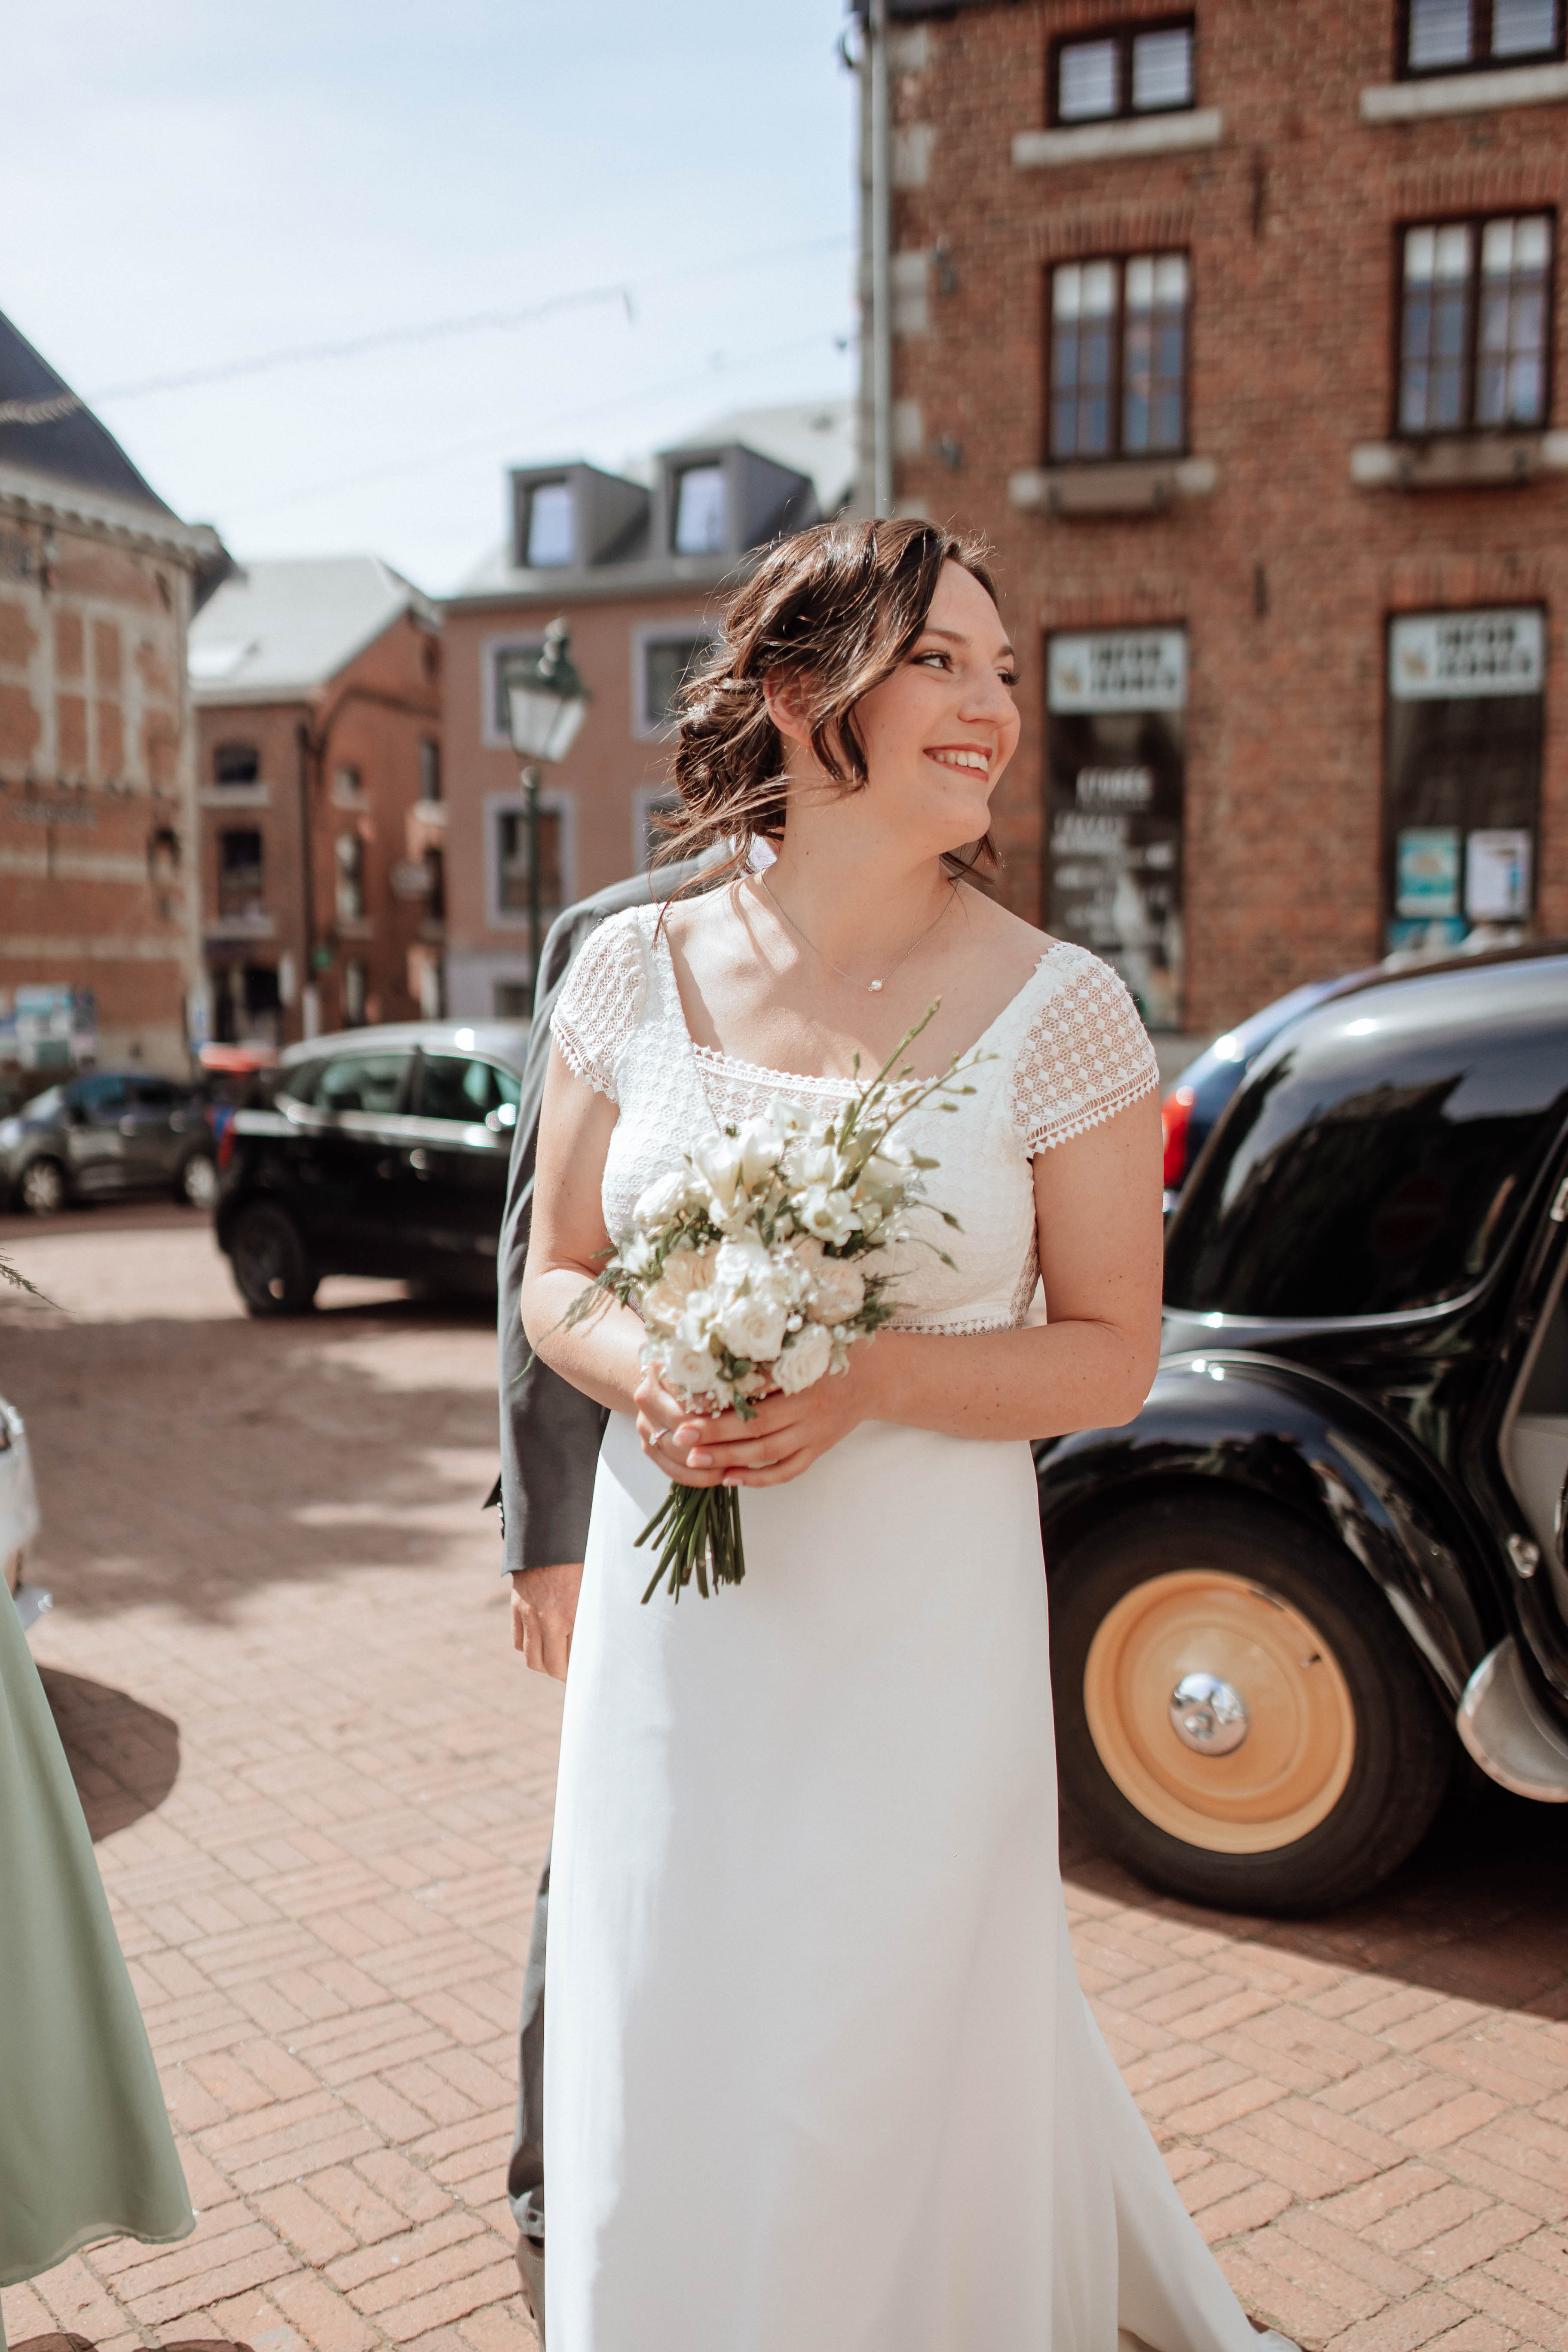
x=197 y=1183
x=43 y=1187
x=1350 y=1756
x=271 y=1266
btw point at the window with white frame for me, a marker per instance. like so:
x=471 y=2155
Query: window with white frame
x=548 y=542
x=700 y=520
x=663 y=658
x=1439 y=37
x=1119 y=356
x=1473 y=324
x=504 y=658
x=506 y=857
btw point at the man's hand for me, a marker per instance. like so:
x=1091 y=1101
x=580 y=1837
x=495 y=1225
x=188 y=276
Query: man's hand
x=543 y=1612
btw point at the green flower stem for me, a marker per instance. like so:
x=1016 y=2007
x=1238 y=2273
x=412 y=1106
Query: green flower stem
x=701 y=1527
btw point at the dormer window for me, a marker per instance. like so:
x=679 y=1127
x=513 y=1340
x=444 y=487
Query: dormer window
x=1449 y=35
x=1130 y=69
x=699 y=511
x=548 y=545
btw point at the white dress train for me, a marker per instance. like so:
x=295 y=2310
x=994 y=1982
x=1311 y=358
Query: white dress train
x=820 y=2075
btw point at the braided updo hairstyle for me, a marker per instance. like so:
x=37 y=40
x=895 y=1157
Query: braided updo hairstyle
x=839 y=607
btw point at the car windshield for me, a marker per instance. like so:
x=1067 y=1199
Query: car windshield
x=452 y=1087
x=48 y=1105
x=369 y=1082
x=1375 y=1161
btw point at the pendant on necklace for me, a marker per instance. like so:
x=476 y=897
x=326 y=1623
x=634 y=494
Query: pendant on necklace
x=873 y=985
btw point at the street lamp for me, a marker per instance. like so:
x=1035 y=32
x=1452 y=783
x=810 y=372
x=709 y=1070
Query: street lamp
x=546 y=704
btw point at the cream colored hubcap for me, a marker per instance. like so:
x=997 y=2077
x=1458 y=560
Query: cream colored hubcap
x=1276 y=1771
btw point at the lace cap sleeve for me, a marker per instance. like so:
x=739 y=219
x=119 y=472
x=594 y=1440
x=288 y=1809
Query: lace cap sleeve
x=600 y=1001
x=1086 y=1056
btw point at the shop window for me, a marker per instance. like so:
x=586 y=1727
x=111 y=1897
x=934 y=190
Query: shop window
x=237 y=763
x=699 y=511
x=429 y=769
x=1447 y=36
x=351 y=877
x=666 y=660
x=512 y=863
x=1474 y=325
x=1462 y=794
x=241 y=872
x=1126 y=69
x=1116 y=751
x=548 y=543
x=1118 y=357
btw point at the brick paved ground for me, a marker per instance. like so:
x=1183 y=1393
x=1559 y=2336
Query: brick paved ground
x=322 y=1788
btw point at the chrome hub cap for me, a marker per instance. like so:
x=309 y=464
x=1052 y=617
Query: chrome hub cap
x=1208 y=1715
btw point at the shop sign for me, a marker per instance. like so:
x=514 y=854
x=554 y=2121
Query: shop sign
x=1436 y=656
x=1118 y=670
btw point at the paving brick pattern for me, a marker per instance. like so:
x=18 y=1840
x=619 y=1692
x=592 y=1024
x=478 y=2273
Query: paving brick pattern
x=321 y=1784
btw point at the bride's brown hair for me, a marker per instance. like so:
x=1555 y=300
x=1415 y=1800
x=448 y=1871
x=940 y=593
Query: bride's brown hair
x=839 y=607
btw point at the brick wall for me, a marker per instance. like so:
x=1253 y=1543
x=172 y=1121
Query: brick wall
x=97 y=833
x=1286 y=575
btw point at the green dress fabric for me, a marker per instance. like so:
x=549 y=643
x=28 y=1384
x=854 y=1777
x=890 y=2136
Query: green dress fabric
x=86 y=2150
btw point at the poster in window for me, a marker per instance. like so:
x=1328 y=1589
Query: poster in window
x=1116 y=759
x=1497 y=875
x=1427 y=879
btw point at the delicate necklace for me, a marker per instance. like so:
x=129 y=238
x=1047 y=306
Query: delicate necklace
x=870 y=986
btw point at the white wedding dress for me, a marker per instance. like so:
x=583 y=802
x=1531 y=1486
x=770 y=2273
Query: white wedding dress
x=819 y=2077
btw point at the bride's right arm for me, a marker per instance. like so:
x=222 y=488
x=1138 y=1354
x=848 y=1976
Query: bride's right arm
x=567 y=1243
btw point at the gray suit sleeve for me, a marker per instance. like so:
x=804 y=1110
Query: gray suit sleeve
x=550 y=1432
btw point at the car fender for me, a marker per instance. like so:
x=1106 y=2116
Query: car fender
x=1285 y=1435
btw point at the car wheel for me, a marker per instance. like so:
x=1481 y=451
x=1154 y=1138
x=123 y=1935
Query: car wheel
x=271 y=1265
x=198 y=1180
x=1239 y=1713
x=43 y=1187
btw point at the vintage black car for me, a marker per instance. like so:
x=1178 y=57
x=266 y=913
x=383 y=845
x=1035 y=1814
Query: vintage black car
x=1329 y=1549
x=383 y=1151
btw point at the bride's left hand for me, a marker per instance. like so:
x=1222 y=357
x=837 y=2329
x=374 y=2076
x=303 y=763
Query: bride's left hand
x=786 y=1435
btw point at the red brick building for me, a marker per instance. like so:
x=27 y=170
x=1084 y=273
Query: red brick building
x=317 y=685
x=635 y=567
x=99 y=942
x=1236 y=329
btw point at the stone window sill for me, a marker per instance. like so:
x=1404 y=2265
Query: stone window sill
x=240 y=926
x=432 y=812
x=234 y=796
x=1103 y=143
x=1457 y=461
x=1470 y=93
x=1131 y=486
x=354 y=927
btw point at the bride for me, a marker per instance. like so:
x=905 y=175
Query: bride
x=819 y=2073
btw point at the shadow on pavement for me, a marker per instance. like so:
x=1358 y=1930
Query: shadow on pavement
x=125 y=1757
x=1479 y=1913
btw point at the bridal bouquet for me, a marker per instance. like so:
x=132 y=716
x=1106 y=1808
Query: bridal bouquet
x=754 y=1267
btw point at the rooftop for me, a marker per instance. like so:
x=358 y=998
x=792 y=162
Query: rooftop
x=284 y=626
x=65 y=441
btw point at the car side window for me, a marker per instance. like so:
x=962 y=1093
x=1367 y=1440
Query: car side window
x=369 y=1082
x=455 y=1087
x=101 y=1094
x=153 y=1094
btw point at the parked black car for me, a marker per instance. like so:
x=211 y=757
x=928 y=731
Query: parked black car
x=108 y=1132
x=1192 y=1104
x=383 y=1151
x=1330 y=1545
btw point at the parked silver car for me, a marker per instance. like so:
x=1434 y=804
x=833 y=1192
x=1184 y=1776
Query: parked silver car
x=108 y=1132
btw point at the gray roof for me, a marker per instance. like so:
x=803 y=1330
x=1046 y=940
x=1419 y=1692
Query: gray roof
x=282 y=627
x=72 y=447
x=811 y=436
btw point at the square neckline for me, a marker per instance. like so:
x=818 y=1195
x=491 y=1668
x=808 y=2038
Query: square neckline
x=715 y=1056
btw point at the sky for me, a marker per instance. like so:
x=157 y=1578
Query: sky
x=192 y=185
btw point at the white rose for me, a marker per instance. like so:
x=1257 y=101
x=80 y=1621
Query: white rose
x=664 y=1199
x=832 y=1216
x=804 y=1360
x=687 y=1365
x=762 y=1148
x=753 y=1328
x=839 y=1292
x=687 y=1270
x=739 y=1264
x=717 y=1159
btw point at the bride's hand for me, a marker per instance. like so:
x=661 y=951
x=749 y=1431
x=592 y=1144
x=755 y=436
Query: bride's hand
x=786 y=1435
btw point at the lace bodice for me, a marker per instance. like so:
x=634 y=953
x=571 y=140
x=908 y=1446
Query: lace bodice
x=1067 y=1052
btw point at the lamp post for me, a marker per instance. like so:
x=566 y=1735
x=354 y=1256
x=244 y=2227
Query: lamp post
x=546 y=704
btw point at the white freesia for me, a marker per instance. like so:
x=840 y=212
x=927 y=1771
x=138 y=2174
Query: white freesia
x=638 y=1254
x=717 y=1159
x=761 y=1148
x=804 y=1360
x=832 y=1216
x=664 y=1199
x=753 y=1328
